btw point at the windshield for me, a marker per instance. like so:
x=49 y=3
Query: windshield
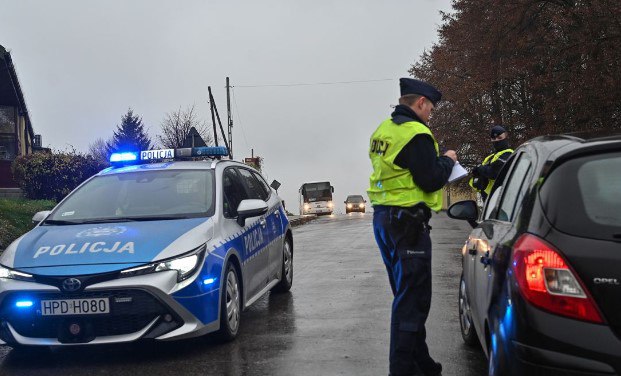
x=145 y=195
x=317 y=192
x=354 y=199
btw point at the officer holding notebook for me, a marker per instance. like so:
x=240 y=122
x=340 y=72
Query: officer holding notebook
x=405 y=187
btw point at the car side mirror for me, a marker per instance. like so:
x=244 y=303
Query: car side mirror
x=40 y=216
x=275 y=184
x=332 y=188
x=250 y=208
x=465 y=210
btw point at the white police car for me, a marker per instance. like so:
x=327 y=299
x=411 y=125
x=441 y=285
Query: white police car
x=164 y=250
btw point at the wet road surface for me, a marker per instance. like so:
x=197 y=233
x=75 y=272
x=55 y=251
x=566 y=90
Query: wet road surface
x=335 y=320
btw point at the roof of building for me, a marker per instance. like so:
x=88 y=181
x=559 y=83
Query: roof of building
x=10 y=91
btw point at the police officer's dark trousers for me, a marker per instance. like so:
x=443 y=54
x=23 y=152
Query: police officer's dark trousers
x=408 y=262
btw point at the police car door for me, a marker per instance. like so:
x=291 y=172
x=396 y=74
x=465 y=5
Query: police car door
x=261 y=229
x=275 y=229
x=254 y=261
x=496 y=231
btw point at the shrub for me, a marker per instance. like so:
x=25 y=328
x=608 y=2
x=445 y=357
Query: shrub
x=48 y=176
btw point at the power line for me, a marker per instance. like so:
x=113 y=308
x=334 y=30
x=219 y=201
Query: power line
x=317 y=83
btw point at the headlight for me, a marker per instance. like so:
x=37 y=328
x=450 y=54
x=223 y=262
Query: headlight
x=349 y=206
x=306 y=206
x=185 y=265
x=14 y=274
x=330 y=204
x=361 y=206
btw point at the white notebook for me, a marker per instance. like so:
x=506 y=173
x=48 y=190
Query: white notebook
x=457 y=173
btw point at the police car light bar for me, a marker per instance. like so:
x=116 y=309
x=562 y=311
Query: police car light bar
x=161 y=154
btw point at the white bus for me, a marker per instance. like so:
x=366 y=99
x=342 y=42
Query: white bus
x=316 y=198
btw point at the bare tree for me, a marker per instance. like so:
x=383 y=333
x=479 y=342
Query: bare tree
x=177 y=124
x=98 y=150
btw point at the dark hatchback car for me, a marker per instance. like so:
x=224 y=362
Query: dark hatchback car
x=355 y=203
x=541 y=282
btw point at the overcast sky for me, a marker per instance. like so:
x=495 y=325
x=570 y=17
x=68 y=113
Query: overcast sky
x=81 y=64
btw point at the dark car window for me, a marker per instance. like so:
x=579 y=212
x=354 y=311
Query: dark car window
x=263 y=184
x=255 y=191
x=513 y=190
x=583 y=196
x=234 y=192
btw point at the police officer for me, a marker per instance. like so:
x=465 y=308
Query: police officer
x=484 y=175
x=408 y=175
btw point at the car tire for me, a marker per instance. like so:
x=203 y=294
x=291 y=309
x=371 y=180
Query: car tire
x=363 y=211
x=286 y=279
x=230 y=305
x=468 y=332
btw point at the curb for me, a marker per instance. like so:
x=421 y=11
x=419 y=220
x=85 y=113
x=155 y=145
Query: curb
x=298 y=220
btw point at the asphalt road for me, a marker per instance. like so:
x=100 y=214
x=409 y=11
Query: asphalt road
x=335 y=320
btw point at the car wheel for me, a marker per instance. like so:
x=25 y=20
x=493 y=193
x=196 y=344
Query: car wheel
x=286 y=279
x=230 y=307
x=468 y=333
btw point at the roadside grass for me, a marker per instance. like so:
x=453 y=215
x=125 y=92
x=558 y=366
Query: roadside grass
x=16 y=217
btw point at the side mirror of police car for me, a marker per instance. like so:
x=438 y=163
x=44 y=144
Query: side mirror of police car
x=40 y=216
x=249 y=209
x=465 y=210
x=275 y=184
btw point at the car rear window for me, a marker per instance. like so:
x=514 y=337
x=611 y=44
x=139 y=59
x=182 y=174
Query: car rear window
x=583 y=196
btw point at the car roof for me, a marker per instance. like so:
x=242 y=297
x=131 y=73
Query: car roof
x=551 y=147
x=206 y=164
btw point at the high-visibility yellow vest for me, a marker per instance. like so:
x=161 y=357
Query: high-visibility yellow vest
x=390 y=184
x=489 y=160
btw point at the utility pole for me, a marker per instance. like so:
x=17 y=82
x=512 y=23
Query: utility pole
x=230 y=118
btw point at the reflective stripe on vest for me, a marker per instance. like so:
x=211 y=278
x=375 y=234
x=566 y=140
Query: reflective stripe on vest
x=489 y=160
x=390 y=184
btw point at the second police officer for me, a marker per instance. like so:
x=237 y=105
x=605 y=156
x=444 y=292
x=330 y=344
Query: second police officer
x=484 y=175
x=405 y=186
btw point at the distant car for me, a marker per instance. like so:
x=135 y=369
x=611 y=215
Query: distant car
x=355 y=203
x=541 y=282
x=164 y=251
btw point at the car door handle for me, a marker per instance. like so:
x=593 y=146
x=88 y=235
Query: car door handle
x=263 y=222
x=486 y=260
x=277 y=213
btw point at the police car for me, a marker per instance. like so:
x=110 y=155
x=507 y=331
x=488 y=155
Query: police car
x=165 y=250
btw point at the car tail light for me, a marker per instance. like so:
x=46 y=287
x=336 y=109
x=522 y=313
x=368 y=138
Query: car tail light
x=547 y=281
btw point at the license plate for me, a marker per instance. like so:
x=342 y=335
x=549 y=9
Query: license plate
x=75 y=307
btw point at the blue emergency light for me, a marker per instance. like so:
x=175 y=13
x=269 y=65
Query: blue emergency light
x=123 y=157
x=24 y=303
x=209 y=281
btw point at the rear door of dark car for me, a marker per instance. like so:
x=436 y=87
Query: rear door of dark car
x=581 y=198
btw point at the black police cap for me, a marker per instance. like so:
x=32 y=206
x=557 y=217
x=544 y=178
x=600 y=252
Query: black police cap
x=497 y=130
x=413 y=86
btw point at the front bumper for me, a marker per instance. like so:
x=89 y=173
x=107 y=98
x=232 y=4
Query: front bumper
x=140 y=307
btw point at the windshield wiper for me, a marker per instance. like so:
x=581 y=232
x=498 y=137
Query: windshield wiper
x=59 y=222
x=131 y=219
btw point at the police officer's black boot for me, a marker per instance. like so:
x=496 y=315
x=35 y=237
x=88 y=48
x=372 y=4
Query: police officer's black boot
x=432 y=368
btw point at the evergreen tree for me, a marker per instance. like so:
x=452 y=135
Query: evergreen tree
x=130 y=135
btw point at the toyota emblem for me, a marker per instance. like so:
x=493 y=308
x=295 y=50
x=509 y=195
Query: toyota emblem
x=71 y=284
